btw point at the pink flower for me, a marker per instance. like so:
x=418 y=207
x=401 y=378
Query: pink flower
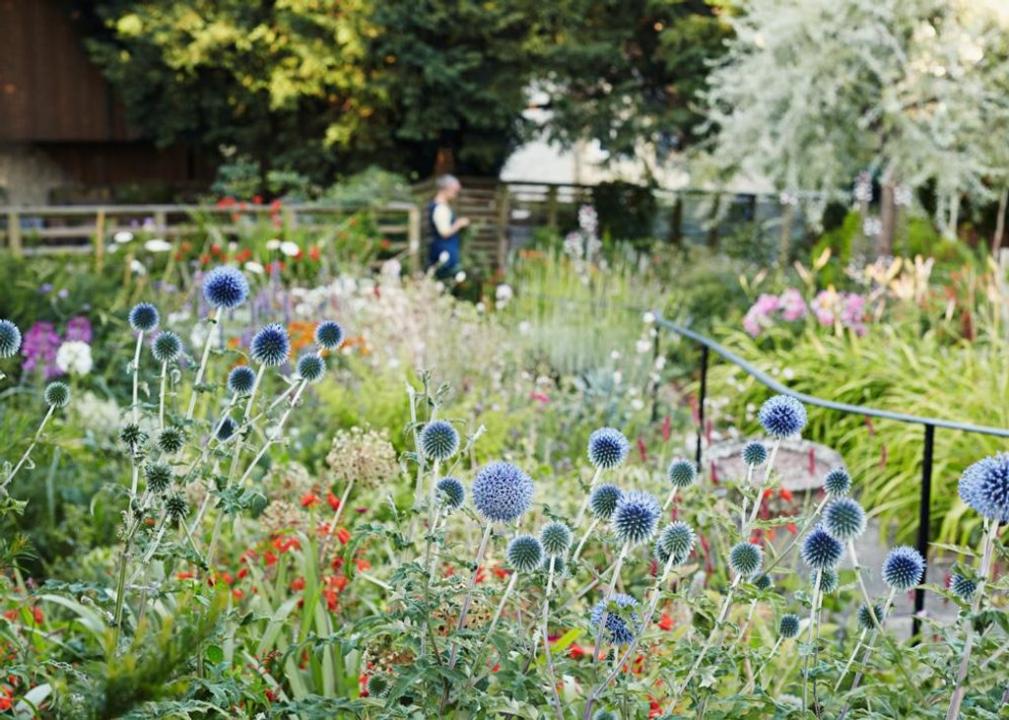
x=793 y=306
x=824 y=306
x=79 y=328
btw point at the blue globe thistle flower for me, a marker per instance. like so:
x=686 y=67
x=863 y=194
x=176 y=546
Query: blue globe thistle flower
x=225 y=287
x=270 y=346
x=603 y=715
x=985 y=487
x=837 y=482
x=755 y=453
x=57 y=394
x=525 y=553
x=144 y=317
x=378 y=686
x=439 y=440
x=451 y=492
x=821 y=550
x=622 y=622
x=829 y=581
x=556 y=538
x=241 y=380
x=502 y=492
x=311 y=367
x=159 y=477
x=171 y=440
x=10 y=339
x=329 y=335
x=132 y=436
x=763 y=582
x=864 y=617
x=903 y=568
x=681 y=473
x=607 y=448
x=844 y=518
x=782 y=416
x=676 y=540
x=746 y=559
x=226 y=428
x=176 y=507
x=635 y=517
x=963 y=587
x=788 y=626
x=167 y=346
x=556 y=562
x=603 y=500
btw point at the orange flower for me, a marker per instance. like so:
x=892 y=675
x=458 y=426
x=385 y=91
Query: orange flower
x=302 y=335
x=343 y=535
x=309 y=500
x=363 y=565
x=333 y=500
x=298 y=584
x=666 y=622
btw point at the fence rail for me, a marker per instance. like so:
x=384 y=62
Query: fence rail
x=929 y=424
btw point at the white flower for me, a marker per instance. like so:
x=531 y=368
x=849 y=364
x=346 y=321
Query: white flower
x=503 y=293
x=648 y=318
x=157 y=245
x=254 y=267
x=637 y=404
x=525 y=327
x=460 y=277
x=74 y=357
x=273 y=244
x=443 y=257
x=123 y=236
x=97 y=414
x=138 y=267
x=660 y=362
x=618 y=377
x=789 y=373
x=480 y=307
x=642 y=346
x=615 y=355
x=289 y=248
x=392 y=268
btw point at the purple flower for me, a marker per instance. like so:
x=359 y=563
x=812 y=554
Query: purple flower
x=79 y=328
x=793 y=307
x=39 y=348
x=758 y=316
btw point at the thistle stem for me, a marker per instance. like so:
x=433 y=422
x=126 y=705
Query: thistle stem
x=161 y=396
x=814 y=607
x=490 y=629
x=34 y=442
x=585 y=502
x=722 y=614
x=547 y=652
x=134 y=409
x=851 y=659
x=468 y=599
x=670 y=498
x=609 y=593
x=214 y=322
x=585 y=537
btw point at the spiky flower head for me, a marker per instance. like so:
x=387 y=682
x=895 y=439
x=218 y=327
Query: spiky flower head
x=270 y=346
x=829 y=580
x=225 y=287
x=782 y=416
x=556 y=538
x=555 y=563
x=378 y=685
x=865 y=621
x=57 y=394
x=763 y=582
x=676 y=540
x=681 y=473
x=984 y=486
x=171 y=440
x=788 y=626
x=10 y=339
x=903 y=568
x=226 y=428
x=525 y=553
x=167 y=347
x=241 y=380
x=754 y=453
x=844 y=518
x=635 y=517
x=450 y=492
x=329 y=335
x=439 y=440
x=837 y=482
x=607 y=448
x=143 y=317
x=502 y=492
x=311 y=367
x=176 y=507
x=962 y=587
x=746 y=559
x=132 y=437
x=622 y=622
x=603 y=500
x=159 y=477
x=821 y=550
x=603 y=715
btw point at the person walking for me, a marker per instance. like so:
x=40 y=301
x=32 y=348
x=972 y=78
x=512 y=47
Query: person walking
x=445 y=244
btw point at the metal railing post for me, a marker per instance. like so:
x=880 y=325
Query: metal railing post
x=924 y=520
x=700 y=405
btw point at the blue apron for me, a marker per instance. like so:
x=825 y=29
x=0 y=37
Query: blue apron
x=439 y=244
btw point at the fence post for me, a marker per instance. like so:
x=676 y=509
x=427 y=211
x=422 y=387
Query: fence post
x=14 y=232
x=502 y=227
x=700 y=405
x=552 y=207
x=413 y=238
x=924 y=519
x=100 y=239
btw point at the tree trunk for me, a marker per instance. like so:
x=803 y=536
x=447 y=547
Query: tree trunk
x=996 y=241
x=887 y=219
x=444 y=161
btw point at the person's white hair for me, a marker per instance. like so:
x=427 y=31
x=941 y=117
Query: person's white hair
x=444 y=182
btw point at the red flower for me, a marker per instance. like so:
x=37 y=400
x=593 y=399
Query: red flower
x=269 y=558
x=309 y=500
x=792 y=528
x=243 y=255
x=576 y=652
x=501 y=572
x=237 y=594
x=243 y=572
x=333 y=500
x=298 y=584
x=363 y=565
x=667 y=428
x=37 y=615
x=315 y=253
x=343 y=535
x=642 y=450
x=785 y=495
x=666 y=622
x=11 y=615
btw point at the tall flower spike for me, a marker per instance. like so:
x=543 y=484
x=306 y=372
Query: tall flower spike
x=635 y=517
x=329 y=335
x=270 y=346
x=225 y=287
x=607 y=448
x=620 y=629
x=903 y=568
x=502 y=492
x=603 y=500
x=439 y=440
x=844 y=519
x=241 y=380
x=985 y=487
x=556 y=538
x=782 y=416
x=821 y=551
x=682 y=473
x=451 y=493
x=525 y=553
x=167 y=347
x=746 y=559
x=837 y=482
x=144 y=317
x=10 y=339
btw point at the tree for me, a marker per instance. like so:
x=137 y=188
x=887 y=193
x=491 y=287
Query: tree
x=811 y=94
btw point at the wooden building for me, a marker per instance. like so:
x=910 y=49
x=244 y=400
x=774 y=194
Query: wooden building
x=63 y=133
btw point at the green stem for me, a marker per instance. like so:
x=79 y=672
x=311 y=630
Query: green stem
x=28 y=452
x=214 y=321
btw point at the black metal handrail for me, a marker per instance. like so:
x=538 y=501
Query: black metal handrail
x=928 y=423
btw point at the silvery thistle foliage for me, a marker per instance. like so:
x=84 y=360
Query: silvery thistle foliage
x=502 y=492
x=450 y=492
x=144 y=317
x=608 y=448
x=903 y=568
x=621 y=628
x=525 y=553
x=556 y=538
x=821 y=550
x=241 y=380
x=837 y=482
x=635 y=517
x=984 y=486
x=57 y=394
x=782 y=416
x=754 y=453
x=844 y=518
x=10 y=339
x=681 y=473
x=603 y=500
x=329 y=335
x=439 y=440
x=270 y=346
x=788 y=626
x=225 y=287
x=865 y=617
x=746 y=559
